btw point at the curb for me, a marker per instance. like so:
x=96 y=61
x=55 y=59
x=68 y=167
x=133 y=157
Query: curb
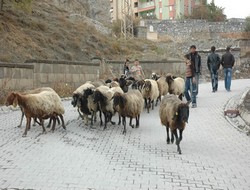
x=237 y=122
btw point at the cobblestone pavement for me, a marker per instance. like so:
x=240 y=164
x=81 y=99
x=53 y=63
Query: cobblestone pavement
x=215 y=154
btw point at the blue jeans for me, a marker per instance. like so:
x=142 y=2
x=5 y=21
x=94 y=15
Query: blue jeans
x=190 y=87
x=197 y=77
x=214 y=79
x=227 y=78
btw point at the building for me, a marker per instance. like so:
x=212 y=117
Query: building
x=160 y=9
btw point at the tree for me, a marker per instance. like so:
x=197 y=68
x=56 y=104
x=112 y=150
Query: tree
x=247 y=28
x=209 y=12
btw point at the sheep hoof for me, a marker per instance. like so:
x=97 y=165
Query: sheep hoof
x=168 y=141
x=34 y=125
x=92 y=127
x=133 y=126
x=24 y=135
x=172 y=141
x=124 y=132
x=119 y=123
x=112 y=122
x=64 y=127
x=137 y=126
x=19 y=126
x=48 y=126
x=104 y=128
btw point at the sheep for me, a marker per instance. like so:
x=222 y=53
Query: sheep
x=174 y=114
x=124 y=84
x=102 y=96
x=11 y=101
x=150 y=93
x=155 y=76
x=43 y=105
x=176 y=85
x=78 y=92
x=130 y=105
x=163 y=87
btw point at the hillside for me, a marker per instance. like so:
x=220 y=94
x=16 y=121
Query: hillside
x=61 y=30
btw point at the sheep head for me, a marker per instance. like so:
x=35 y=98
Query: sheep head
x=99 y=97
x=74 y=100
x=147 y=85
x=88 y=92
x=123 y=84
x=11 y=99
x=182 y=113
x=118 y=99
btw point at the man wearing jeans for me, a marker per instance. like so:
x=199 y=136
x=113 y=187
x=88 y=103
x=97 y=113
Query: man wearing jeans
x=213 y=64
x=196 y=60
x=190 y=82
x=227 y=62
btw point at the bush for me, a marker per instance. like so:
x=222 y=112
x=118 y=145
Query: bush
x=247 y=28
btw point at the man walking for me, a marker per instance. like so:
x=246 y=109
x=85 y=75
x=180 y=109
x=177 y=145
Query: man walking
x=213 y=64
x=196 y=60
x=190 y=82
x=227 y=62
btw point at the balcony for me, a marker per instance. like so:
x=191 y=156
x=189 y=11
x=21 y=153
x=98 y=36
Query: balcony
x=146 y=6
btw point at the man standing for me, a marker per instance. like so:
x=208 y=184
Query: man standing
x=196 y=60
x=190 y=82
x=227 y=62
x=213 y=64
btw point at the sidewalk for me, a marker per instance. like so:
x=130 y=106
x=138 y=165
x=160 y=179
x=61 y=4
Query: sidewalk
x=215 y=155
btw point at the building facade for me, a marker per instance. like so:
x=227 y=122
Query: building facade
x=151 y=9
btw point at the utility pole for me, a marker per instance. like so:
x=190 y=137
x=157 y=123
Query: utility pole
x=127 y=28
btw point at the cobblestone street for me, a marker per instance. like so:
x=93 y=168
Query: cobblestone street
x=215 y=155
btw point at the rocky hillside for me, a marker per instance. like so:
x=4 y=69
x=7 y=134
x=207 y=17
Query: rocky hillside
x=63 y=30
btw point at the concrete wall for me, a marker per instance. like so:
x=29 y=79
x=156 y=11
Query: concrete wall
x=39 y=73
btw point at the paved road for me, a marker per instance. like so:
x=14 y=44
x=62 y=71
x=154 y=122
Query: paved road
x=215 y=155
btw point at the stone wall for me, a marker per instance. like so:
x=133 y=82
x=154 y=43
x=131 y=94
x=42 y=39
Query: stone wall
x=40 y=73
x=195 y=28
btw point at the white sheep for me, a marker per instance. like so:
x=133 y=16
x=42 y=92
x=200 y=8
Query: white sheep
x=174 y=114
x=163 y=87
x=176 y=85
x=150 y=93
x=78 y=92
x=129 y=104
x=43 y=105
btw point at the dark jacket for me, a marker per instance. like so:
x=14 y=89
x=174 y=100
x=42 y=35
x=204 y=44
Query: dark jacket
x=196 y=59
x=227 y=60
x=213 y=61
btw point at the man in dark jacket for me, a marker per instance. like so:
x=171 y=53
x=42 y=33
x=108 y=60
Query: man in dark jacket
x=213 y=64
x=196 y=60
x=227 y=62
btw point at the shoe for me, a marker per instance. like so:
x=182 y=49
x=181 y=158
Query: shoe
x=213 y=91
x=189 y=102
x=194 y=106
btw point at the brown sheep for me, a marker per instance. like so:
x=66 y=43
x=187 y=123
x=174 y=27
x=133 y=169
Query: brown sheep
x=174 y=114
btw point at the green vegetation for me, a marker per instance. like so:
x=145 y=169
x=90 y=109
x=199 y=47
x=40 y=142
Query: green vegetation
x=209 y=12
x=247 y=29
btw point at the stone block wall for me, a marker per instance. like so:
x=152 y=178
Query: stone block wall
x=40 y=73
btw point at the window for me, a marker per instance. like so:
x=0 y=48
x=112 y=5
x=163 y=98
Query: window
x=136 y=4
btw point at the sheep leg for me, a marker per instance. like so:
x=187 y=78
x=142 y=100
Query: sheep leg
x=58 y=120
x=48 y=126
x=119 y=120
x=145 y=103
x=168 y=139
x=130 y=123
x=100 y=115
x=27 y=126
x=153 y=105
x=124 y=125
x=137 y=121
x=34 y=121
x=63 y=124
x=105 y=121
x=177 y=141
x=42 y=124
x=54 y=124
x=21 y=119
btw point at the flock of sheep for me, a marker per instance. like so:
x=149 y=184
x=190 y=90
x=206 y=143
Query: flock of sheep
x=124 y=96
